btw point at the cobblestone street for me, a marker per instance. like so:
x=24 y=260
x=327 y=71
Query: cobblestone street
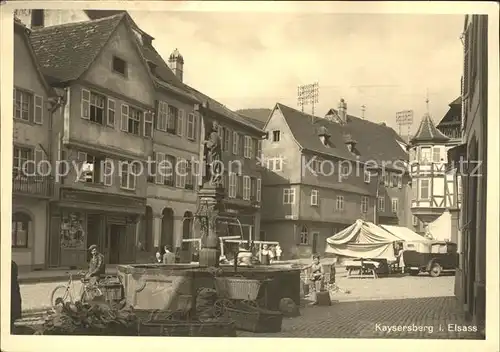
x=432 y=318
x=417 y=307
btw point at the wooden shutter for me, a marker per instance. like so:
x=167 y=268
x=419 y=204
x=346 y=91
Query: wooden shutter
x=107 y=170
x=38 y=110
x=124 y=118
x=111 y=116
x=82 y=159
x=148 y=122
x=159 y=110
x=160 y=168
x=85 y=104
x=180 y=122
x=235 y=143
x=197 y=126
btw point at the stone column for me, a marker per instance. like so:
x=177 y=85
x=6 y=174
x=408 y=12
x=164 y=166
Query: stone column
x=210 y=197
x=178 y=231
x=157 y=218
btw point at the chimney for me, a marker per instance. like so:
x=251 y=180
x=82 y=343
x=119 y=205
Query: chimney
x=37 y=19
x=342 y=111
x=176 y=64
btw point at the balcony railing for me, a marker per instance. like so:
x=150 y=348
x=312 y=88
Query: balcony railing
x=32 y=185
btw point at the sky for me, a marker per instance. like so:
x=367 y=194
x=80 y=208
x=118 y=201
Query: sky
x=386 y=62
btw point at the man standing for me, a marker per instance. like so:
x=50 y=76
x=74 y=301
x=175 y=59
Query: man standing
x=97 y=268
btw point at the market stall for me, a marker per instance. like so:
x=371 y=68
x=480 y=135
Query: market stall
x=370 y=247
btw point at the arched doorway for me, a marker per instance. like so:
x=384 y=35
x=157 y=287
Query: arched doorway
x=148 y=230
x=167 y=229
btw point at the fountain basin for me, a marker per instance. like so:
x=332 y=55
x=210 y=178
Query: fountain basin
x=174 y=286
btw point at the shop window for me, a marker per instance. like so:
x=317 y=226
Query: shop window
x=20 y=225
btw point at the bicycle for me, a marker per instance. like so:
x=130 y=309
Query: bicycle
x=63 y=292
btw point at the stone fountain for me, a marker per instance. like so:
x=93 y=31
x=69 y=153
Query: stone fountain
x=210 y=197
x=174 y=286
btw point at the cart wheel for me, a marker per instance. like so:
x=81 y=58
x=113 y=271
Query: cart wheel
x=220 y=307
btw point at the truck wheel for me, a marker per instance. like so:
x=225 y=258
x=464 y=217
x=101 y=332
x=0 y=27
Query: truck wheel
x=435 y=270
x=413 y=272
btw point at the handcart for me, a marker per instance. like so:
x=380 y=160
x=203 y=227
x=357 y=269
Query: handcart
x=232 y=290
x=238 y=301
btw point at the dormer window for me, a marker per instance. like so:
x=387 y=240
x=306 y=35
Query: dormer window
x=276 y=136
x=324 y=136
x=119 y=66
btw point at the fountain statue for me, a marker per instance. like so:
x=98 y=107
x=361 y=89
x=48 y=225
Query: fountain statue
x=211 y=195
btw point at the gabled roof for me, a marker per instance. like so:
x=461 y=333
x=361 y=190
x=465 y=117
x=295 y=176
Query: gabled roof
x=374 y=141
x=21 y=28
x=427 y=132
x=66 y=51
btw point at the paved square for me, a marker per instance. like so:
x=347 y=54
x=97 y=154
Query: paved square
x=391 y=307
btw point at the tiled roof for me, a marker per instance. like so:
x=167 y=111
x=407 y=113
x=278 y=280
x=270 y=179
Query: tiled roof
x=256 y=114
x=427 y=132
x=375 y=141
x=256 y=122
x=21 y=28
x=66 y=51
x=221 y=110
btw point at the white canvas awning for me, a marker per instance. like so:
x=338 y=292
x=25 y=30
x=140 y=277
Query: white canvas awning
x=363 y=240
x=404 y=233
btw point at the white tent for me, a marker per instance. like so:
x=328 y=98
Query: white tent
x=405 y=233
x=363 y=240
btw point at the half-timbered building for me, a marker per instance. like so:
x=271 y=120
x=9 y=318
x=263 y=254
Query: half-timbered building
x=433 y=187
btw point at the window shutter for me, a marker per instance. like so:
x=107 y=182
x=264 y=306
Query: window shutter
x=38 y=110
x=107 y=170
x=156 y=116
x=124 y=118
x=148 y=124
x=111 y=113
x=235 y=142
x=82 y=159
x=85 y=104
x=160 y=168
x=180 y=122
x=179 y=174
x=196 y=126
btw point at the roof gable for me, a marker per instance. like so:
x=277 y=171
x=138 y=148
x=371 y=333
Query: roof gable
x=428 y=133
x=21 y=29
x=66 y=51
x=373 y=141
